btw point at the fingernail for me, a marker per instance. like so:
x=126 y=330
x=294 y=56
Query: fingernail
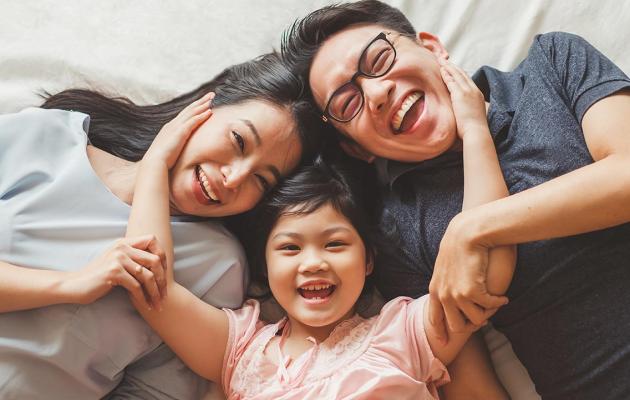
x=149 y=308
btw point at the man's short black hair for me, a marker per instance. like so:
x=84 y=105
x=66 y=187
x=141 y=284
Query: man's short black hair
x=302 y=40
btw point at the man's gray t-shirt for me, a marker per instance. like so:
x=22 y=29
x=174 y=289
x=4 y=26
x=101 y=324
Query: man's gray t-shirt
x=568 y=318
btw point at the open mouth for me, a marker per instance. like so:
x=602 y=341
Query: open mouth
x=410 y=111
x=206 y=190
x=317 y=293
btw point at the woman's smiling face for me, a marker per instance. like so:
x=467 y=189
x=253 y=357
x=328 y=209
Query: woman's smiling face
x=233 y=158
x=407 y=113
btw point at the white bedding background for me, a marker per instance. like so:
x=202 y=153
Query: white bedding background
x=152 y=50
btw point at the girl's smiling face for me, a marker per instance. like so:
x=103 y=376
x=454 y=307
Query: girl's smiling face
x=316 y=266
x=233 y=158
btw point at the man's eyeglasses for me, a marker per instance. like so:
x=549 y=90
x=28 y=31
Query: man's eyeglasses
x=375 y=61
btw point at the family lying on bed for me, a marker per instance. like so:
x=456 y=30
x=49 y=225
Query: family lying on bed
x=467 y=169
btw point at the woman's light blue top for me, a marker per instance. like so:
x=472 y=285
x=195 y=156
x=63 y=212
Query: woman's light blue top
x=55 y=213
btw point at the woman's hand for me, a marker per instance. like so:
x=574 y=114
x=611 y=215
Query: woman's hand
x=170 y=141
x=133 y=263
x=459 y=294
x=469 y=105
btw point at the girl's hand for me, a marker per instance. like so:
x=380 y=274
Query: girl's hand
x=170 y=141
x=133 y=263
x=469 y=105
x=460 y=301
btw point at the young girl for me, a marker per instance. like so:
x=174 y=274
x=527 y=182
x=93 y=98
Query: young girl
x=66 y=186
x=318 y=245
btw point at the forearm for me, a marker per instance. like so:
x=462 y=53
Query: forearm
x=591 y=198
x=196 y=331
x=150 y=212
x=483 y=179
x=25 y=288
x=483 y=183
x=472 y=374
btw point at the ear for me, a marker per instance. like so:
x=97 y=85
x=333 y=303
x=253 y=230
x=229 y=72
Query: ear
x=369 y=266
x=433 y=44
x=355 y=150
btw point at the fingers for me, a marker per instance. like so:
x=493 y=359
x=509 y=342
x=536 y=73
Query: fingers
x=124 y=279
x=436 y=318
x=489 y=301
x=453 y=74
x=197 y=107
x=147 y=280
x=475 y=314
x=153 y=265
x=454 y=318
x=146 y=251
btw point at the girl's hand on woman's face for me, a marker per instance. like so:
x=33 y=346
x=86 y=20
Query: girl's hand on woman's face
x=170 y=141
x=469 y=105
x=134 y=263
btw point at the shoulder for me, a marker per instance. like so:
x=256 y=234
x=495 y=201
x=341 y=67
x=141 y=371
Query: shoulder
x=54 y=127
x=209 y=261
x=561 y=49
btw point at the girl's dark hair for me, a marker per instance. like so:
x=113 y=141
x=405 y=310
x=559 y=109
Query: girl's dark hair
x=302 y=40
x=125 y=129
x=348 y=188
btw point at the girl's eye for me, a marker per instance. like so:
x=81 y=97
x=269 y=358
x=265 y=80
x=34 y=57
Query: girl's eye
x=335 y=243
x=263 y=183
x=239 y=141
x=290 y=247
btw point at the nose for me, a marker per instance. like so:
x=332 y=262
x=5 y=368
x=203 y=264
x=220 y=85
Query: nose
x=235 y=174
x=377 y=92
x=312 y=263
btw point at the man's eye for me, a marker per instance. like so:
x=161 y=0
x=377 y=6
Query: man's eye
x=239 y=141
x=350 y=105
x=265 y=185
x=377 y=63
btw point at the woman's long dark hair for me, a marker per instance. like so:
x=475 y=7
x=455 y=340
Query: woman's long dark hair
x=126 y=130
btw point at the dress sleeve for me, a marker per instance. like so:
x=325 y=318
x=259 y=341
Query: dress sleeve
x=243 y=323
x=584 y=74
x=159 y=375
x=400 y=333
x=42 y=137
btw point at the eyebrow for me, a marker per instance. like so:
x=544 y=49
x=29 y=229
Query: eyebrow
x=328 y=231
x=254 y=131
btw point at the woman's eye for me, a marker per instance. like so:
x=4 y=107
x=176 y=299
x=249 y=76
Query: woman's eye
x=263 y=183
x=239 y=141
x=335 y=243
x=290 y=247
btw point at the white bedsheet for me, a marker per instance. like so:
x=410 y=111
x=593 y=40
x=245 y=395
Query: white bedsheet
x=152 y=50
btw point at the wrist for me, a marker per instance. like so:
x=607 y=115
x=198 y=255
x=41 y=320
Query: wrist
x=476 y=133
x=62 y=288
x=470 y=228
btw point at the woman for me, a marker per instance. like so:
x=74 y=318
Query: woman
x=62 y=317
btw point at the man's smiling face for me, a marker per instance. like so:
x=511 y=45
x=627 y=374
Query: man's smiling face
x=407 y=113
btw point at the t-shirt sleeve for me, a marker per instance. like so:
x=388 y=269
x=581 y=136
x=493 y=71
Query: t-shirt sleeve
x=400 y=333
x=583 y=72
x=243 y=324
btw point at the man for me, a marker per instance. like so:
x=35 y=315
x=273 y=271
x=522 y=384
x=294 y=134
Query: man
x=560 y=126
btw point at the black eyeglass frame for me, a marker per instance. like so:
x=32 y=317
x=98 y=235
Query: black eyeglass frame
x=327 y=115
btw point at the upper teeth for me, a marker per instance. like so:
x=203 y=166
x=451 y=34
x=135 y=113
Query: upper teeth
x=406 y=105
x=204 y=181
x=316 y=287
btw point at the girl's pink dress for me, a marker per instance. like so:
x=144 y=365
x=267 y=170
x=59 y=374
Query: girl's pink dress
x=383 y=357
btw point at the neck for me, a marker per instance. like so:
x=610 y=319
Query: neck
x=117 y=174
x=301 y=331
